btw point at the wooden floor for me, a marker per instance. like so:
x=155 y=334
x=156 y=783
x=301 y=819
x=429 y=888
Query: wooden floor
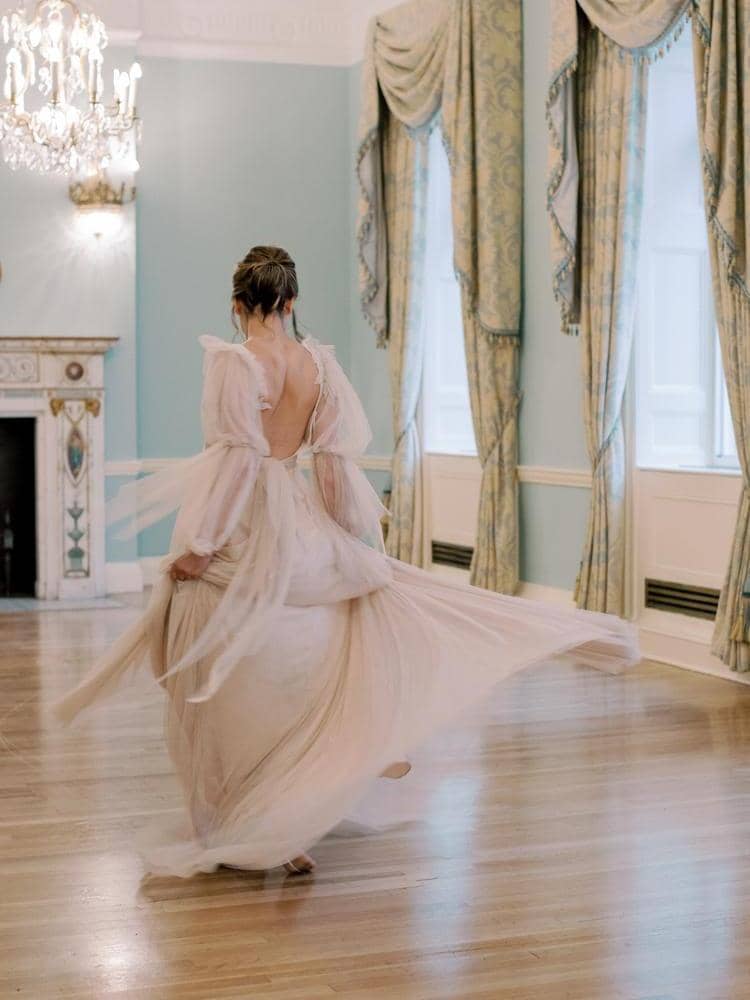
x=585 y=838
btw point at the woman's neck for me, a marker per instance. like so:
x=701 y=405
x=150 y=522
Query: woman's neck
x=270 y=328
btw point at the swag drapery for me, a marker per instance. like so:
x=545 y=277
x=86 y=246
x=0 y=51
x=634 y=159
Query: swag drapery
x=600 y=50
x=461 y=58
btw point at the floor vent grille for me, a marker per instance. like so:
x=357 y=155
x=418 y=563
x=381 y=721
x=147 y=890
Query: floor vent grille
x=448 y=554
x=682 y=598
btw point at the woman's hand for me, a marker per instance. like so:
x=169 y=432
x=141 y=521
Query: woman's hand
x=189 y=567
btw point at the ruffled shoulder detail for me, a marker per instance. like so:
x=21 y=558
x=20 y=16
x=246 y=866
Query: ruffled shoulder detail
x=214 y=346
x=318 y=353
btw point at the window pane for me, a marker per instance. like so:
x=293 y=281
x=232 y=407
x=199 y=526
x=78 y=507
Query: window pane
x=447 y=410
x=675 y=358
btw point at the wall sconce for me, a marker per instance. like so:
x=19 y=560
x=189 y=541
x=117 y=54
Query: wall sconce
x=100 y=204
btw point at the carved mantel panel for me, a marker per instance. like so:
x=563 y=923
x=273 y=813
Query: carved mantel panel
x=60 y=382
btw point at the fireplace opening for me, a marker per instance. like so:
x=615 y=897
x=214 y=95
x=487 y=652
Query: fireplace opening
x=17 y=507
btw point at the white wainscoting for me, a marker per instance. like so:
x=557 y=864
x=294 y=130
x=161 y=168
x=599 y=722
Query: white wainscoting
x=683 y=524
x=452 y=484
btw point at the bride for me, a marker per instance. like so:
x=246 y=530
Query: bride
x=299 y=661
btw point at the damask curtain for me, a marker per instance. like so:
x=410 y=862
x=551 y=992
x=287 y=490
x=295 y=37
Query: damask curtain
x=462 y=58
x=721 y=47
x=596 y=114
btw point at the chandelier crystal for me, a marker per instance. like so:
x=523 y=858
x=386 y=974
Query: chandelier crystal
x=57 y=52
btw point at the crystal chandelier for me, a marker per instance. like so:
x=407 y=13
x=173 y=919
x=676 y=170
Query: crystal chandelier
x=58 y=52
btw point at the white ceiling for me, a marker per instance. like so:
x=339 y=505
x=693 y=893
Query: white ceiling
x=319 y=32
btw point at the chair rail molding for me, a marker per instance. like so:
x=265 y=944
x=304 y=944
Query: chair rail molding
x=462 y=466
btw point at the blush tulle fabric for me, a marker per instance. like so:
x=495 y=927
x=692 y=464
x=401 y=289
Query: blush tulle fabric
x=305 y=661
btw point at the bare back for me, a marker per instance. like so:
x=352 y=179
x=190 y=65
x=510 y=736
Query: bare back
x=292 y=391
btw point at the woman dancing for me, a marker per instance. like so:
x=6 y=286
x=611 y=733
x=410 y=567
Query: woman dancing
x=299 y=661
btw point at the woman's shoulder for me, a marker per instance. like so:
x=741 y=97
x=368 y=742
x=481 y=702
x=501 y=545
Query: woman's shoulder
x=215 y=348
x=325 y=352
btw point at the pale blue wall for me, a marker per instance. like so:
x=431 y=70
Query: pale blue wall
x=553 y=518
x=233 y=154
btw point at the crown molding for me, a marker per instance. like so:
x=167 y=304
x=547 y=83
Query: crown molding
x=307 y=32
x=124 y=37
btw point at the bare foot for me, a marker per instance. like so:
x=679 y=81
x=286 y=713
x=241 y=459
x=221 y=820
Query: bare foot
x=301 y=865
x=398 y=770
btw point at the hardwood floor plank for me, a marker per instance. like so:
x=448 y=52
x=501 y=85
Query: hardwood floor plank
x=582 y=837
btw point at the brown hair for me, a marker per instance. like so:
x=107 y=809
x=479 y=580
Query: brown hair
x=265 y=280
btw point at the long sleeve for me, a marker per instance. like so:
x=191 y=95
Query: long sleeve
x=234 y=447
x=341 y=434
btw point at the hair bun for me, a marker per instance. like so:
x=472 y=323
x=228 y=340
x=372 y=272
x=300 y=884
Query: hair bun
x=265 y=280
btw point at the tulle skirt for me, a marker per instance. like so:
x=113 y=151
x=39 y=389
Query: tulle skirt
x=298 y=732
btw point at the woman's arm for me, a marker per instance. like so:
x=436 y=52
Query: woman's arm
x=234 y=438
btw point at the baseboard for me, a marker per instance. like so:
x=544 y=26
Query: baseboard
x=123 y=577
x=681 y=641
x=673 y=639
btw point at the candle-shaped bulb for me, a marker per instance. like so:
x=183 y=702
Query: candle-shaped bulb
x=122 y=82
x=12 y=76
x=58 y=82
x=135 y=75
x=95 y=75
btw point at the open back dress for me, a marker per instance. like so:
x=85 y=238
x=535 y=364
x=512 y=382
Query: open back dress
x=304 y=661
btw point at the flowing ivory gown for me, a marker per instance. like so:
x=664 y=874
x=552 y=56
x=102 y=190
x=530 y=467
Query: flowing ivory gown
x=305 y=660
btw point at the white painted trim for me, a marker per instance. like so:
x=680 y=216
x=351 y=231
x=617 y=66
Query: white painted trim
x=123 y=578
x=541 y=475
x=673 y=639
x=375 y=463
x=684 y=642
x=311 y=32
x=123 y=467
x=124 y=37
x=545 y=475
x=694 y=470
x=137 y=466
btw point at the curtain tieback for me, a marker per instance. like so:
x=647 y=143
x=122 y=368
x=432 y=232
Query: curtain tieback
x=400 y=437
x=739 y=631
x=605 y=446
x=507 y=419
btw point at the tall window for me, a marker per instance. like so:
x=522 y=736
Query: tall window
x=447 y=410
x=682 y=411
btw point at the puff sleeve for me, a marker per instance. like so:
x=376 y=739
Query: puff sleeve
x=341 y=434
x=235 y=445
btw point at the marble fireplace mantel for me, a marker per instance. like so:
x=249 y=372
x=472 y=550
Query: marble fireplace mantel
x=59 y=381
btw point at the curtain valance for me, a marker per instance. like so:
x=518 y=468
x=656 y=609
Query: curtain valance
x=459 y=57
